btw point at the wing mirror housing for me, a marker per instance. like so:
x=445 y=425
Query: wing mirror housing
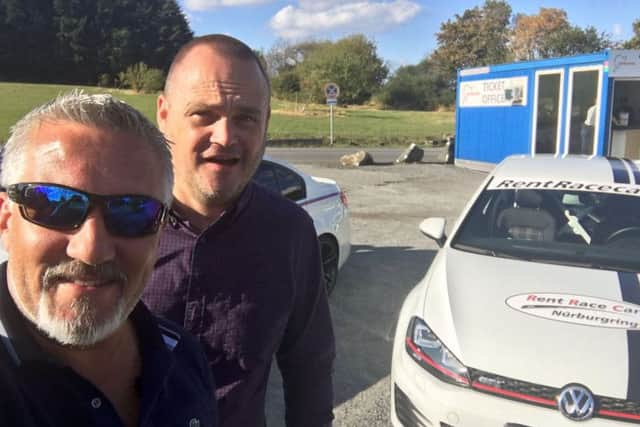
x=434 y=228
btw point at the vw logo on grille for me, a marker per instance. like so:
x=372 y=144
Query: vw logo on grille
x=576 y=402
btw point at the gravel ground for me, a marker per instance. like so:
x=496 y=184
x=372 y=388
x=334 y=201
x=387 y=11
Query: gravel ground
x=389 y=256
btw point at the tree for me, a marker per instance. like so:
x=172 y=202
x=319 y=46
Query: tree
x=351 y=62
x=169 y=30
x=530 y=32
x=284 y=56
x=634 y=42
x=77 y=41
x=573 y=41
x=286 y=84
x=549 y=34
x=478 y=37
x=417 y=87
x=25 y=35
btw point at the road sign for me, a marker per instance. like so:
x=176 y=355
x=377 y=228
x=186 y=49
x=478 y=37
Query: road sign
x=331 y=91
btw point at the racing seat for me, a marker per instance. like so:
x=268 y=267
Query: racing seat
x=526 y=220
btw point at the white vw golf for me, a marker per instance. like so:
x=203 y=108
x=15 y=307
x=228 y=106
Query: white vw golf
x=529 y=315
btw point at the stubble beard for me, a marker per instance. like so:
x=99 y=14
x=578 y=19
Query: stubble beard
x=222 y=198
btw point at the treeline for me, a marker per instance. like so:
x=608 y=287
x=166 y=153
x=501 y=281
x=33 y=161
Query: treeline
x=130 y=43
x=484 y=35
x=88 y=42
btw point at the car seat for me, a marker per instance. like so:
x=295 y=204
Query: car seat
x=526 y=220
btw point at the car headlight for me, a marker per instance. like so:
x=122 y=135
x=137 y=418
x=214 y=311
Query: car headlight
x=429 y=352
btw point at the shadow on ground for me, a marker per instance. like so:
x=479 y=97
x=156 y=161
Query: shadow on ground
x=371 y=288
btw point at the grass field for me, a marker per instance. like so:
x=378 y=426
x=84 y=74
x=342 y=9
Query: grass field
x=353 y=125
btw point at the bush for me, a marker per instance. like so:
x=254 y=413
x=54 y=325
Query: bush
x=140 y=77
x=153 y=80
x=104 y=80
x=286 y=84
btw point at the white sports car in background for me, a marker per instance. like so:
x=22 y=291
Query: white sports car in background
x=529 y=315
x=325 y=202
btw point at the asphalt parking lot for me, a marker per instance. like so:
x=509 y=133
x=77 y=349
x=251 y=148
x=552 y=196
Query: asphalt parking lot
x=389 y=256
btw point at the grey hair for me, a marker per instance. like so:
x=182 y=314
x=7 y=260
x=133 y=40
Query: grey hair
x=101 y=111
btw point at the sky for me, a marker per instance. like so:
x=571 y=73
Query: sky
x=403 y=30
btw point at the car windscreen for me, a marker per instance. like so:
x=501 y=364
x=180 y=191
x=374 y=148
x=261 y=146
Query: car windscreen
x=580 y=228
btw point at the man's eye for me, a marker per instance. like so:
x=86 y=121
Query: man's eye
x=202 y=117
x=246 y=118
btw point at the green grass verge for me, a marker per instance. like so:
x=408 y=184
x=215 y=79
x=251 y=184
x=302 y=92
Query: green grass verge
x=352 y=126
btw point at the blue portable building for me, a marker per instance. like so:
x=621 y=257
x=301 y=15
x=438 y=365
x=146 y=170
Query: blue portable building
x=584 y=104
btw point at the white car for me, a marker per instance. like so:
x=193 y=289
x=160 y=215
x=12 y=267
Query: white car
x=529 y=315
x=325 y=202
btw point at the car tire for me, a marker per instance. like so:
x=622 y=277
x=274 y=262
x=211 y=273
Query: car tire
x=329 y=254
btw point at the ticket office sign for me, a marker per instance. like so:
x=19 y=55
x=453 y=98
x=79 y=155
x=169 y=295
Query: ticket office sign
x=505 y=92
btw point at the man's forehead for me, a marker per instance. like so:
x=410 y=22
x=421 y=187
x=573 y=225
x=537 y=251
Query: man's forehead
x=95 y=159
x=233 y=93
x=206 y=70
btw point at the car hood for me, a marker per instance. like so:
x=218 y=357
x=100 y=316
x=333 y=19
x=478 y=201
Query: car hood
x=542 y=323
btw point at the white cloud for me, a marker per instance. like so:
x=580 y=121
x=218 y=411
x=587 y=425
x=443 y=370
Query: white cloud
x=617 y=30
x=200 y=5
x=313 y=17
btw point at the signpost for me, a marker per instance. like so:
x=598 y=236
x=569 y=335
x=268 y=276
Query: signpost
x=331 y=91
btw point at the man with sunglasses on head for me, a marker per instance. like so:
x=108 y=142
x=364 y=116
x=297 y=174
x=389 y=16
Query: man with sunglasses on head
x=239 y=266
x=88 y=180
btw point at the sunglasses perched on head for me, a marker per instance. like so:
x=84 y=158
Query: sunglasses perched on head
x=65 y=208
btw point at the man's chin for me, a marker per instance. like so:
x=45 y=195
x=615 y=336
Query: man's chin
x=83 y=328
x=222 y=196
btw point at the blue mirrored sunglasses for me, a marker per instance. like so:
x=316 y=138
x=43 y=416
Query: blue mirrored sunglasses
x=65 y=208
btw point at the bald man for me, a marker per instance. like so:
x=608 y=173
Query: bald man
x=239 y=266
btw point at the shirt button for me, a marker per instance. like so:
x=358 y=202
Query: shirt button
x=96 y=403
x=194 y=422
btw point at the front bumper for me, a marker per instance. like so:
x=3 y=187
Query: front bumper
x=418 y=399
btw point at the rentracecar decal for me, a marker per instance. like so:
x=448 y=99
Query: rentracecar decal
x=519 y=184
x=578 y=309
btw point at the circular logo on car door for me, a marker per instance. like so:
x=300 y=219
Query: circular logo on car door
x=576 y=402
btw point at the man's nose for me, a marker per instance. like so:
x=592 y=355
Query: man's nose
x=222 y=132
x=92 y=243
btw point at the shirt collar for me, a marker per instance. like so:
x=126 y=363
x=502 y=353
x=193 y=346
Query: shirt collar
x=178 y=221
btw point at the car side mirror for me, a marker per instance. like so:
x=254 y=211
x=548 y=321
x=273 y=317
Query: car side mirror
x=434 y=228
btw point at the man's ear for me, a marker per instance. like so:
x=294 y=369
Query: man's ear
x=5 y=211
x=5 y=214
x=162 y=110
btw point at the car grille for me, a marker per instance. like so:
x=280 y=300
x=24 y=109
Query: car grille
x=407 y=414
x=536 y=394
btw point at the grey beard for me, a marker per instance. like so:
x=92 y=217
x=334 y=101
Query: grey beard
x=84 y=329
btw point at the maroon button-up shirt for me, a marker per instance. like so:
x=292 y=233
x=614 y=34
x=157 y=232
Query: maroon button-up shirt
x=249 y=287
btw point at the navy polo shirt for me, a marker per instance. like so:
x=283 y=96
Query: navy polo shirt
x=175 y=385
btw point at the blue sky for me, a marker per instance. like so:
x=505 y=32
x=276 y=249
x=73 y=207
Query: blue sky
x=404 y=30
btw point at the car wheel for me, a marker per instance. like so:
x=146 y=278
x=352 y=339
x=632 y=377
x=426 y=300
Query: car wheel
x=329 y=253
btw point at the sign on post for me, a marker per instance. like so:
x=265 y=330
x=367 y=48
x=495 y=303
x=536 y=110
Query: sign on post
x=331 y=91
